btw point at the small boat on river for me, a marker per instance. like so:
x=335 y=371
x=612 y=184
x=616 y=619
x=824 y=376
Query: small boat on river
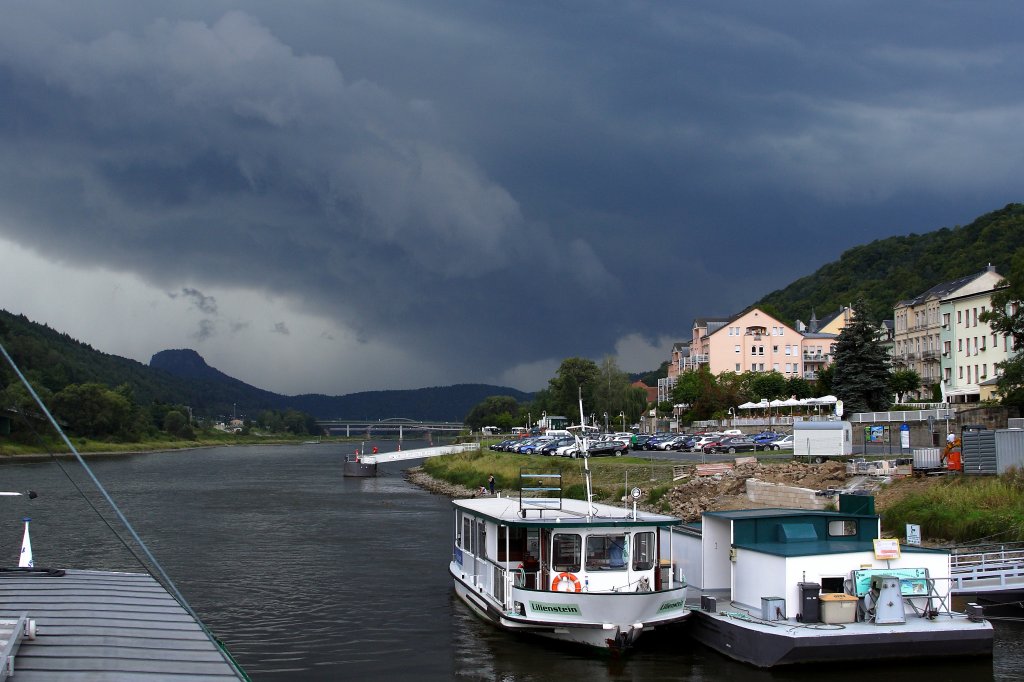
x=566 y=569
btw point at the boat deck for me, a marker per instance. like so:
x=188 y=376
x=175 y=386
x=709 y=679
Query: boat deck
x=107 y=627
x=740 y=632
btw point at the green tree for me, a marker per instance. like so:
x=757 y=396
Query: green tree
x=799 y=388
x=903 y=381
x=1007 y=317
x=636 y=404
x=823 y=381
x=574 y=375
x=496 y=410
x=861 y=366
x=92 y=410
x=770 y=385
x=176 y=424
x=610 y=388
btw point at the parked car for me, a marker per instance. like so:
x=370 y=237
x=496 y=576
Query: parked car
x=699 y=443
x=550 y=447
x=567 y=450
x=614 y=448
x=784 y=443
x=671 y=443
x=501 y=445
x=638 y=440
x=684 y=443
x=733 y=444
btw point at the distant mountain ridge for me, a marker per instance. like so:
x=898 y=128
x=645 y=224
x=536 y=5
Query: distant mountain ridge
x=52 y=360
x=440 y=403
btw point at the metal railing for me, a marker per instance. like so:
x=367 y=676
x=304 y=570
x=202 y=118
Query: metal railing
x=902 y=416
x=993 y=567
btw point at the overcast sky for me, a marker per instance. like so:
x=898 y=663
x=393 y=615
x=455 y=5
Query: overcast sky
x=334 y=196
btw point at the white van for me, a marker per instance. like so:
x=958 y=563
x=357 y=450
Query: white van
x=558 y=433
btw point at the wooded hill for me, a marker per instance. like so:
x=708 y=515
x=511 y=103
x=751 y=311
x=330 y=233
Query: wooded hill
x=53 y=360
x=889 y=270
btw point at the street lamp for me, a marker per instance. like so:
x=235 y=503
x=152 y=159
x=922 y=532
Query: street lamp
x=623 y=415
x=732 y=416
x=606 y=422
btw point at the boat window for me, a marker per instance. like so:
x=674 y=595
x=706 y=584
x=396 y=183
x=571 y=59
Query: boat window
x=565 y=552
x=480 y=548
x=606 y=553
x=516 y=543
x=645 y=551
x=467 y=533
x=842 y=528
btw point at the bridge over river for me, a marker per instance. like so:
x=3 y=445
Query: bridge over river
x=399 y=427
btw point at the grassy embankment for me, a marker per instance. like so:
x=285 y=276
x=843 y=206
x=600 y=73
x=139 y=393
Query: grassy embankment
x=965 y=509
x=958 y=509
x=609 y=475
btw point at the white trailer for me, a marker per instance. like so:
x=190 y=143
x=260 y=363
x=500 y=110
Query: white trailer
x=820 y=440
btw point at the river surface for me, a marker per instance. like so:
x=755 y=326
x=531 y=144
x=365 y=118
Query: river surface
x=307 y=575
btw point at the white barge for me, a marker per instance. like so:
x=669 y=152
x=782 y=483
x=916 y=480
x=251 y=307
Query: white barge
x=787 y=586
x=566 y=569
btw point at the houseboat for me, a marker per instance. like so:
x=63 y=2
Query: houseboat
x=786 y=586
x=570 y=570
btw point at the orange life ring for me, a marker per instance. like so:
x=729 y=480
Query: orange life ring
x=562 y=578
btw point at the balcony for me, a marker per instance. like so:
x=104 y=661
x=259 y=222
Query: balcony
x=816 y=357
x=811 y=376
x=930 y=355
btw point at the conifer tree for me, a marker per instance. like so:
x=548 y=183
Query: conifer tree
x=861 y=366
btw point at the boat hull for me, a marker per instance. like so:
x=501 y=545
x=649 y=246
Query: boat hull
x=613 y=621
x=359 y=469
x=790 y=642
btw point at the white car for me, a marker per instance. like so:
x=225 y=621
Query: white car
x=784 y=443
x=567 y=451
x=698 y=445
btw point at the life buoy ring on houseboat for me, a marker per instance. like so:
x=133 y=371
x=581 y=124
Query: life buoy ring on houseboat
x=566 y=579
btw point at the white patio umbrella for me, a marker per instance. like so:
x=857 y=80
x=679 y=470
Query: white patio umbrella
x=748 y=406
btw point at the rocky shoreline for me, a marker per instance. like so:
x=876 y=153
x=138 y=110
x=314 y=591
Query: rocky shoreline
x=418 y=477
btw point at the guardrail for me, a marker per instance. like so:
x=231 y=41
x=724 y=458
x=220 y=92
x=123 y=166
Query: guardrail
x=902 y=416
x=988 y=569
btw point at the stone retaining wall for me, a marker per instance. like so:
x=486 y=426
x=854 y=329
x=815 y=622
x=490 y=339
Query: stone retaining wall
x=778 y=495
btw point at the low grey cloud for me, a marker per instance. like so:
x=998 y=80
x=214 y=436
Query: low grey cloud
x=281 y=328
x=207 y=329
x=424 y=175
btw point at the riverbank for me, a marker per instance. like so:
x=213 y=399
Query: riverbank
x=9 y=450
x=976 y=503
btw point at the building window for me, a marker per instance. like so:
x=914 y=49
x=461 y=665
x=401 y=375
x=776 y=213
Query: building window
x=789 y=367
x=788 y=352
x=959 y=317
x=737 y=367
x=775 y=349
x=775 y=367
x=959 y=345
x=960 y=373
x=737 y=348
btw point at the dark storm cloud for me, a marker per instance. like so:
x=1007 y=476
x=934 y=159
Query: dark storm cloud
x=426 y=173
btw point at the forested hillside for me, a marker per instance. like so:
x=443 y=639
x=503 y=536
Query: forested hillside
x=888 y=270
x=53 y=360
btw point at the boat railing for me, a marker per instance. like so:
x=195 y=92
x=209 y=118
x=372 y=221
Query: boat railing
x=995 y=566
x=540 y=490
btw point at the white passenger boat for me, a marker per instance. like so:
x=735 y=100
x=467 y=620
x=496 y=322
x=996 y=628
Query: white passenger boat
x=566 y=569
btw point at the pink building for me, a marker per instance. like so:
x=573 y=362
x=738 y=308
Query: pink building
x=754 y=341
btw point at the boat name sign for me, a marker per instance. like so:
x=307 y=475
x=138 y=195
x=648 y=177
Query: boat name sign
x=672 y=605
x=564 y=609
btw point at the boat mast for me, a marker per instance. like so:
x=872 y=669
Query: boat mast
x=585 y=454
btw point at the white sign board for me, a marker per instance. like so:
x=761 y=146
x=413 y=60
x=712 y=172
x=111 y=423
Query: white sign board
x=913 y=534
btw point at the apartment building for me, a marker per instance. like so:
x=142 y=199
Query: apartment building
x=919 y=323
x=970 y=349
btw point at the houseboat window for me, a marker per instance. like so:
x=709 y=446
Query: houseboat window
x=565 y=552
x=516 y=543
x=467 y=533
x=644 y=551
x=842 y=528
x=480 y=548
x=606 y=553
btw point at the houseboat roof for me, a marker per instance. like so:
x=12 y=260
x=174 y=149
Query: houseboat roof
x=536 y=512
x=803 y=532
x=107 y=626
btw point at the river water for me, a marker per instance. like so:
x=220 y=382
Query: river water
x=307 y=575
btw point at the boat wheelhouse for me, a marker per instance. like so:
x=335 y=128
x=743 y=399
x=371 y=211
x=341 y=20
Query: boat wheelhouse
x=566 y=569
